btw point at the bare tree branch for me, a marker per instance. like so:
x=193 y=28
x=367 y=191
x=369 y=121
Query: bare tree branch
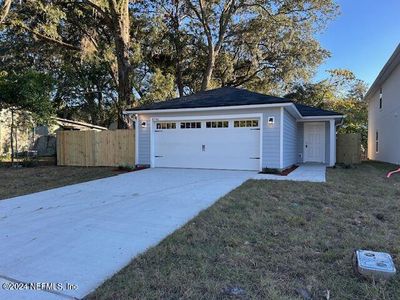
x=5 y=10
x=49 y=39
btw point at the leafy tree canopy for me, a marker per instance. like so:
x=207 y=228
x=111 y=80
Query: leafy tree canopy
x=341 y=92
x=28 y=91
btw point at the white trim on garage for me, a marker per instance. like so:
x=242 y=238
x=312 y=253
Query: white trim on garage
x=332 y=144
x=137 y=131
x=281 y=140
x=211 y=117
x=152 y=164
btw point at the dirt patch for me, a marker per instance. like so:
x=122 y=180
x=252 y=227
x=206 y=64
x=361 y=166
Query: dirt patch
x=284 y=172
x=21 y=181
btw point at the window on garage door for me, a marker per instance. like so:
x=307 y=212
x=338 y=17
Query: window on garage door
x=245 y=123
x=217 y=124
x=189 y=125
x=166 y=125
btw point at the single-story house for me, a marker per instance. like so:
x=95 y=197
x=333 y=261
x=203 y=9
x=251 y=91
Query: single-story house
x=232 y=128
x=384 y=112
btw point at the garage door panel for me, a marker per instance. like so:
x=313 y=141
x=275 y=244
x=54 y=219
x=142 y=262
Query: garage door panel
x=209 y=148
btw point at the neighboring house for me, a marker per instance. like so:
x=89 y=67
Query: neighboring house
x=231 y=128
x=384 y=113
x=28 y=136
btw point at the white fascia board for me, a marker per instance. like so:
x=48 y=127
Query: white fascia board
x=289 y=105
x=321 y=118
x=212 y=117
x=208 y=108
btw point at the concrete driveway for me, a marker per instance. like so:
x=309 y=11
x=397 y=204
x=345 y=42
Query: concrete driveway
x=82 y=234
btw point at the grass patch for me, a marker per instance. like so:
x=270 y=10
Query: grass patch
x=275 y=240
x=22 y=181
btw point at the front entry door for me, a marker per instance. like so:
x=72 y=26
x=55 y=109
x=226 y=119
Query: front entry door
x=314 y=142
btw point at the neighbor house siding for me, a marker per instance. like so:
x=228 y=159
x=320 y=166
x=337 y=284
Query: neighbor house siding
x=289 y=140
x=270 y=138
x=385 y=120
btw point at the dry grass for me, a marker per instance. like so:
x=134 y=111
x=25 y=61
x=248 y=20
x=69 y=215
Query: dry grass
x=266 y=239
x=21 y=181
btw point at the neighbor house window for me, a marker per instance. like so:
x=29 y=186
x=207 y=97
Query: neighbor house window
x=380 y=98
x=376 y=142
x=245 y=123
x=217 y=124
x=188 y=125
x=166 y=125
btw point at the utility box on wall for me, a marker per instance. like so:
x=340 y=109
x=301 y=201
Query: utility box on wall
x=348 y=148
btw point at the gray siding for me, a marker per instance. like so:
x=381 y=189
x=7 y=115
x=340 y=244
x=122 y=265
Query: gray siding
x=144 y=141
x=271 y=139
x=289 y=140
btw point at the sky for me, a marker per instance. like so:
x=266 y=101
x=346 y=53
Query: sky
x=362 y=37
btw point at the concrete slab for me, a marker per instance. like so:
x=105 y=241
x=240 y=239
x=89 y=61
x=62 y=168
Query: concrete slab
x=82 y=234
x=311 y=172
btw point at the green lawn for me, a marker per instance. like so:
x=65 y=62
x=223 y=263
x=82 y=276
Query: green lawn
x=267 y=239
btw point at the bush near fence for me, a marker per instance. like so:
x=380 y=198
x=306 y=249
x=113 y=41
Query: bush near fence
x=96 y=148
x=348 y=148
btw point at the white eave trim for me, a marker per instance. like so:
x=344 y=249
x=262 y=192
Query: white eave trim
x=322 y=117
x=208 y=108
x=237 y=107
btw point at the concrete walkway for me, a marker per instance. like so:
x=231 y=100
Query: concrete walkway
x=82 y=234
x=312 y=172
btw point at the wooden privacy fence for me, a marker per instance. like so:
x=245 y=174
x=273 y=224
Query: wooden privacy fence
x=96 y=148
x=348 y=148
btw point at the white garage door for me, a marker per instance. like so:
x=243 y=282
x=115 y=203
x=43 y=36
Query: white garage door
x=212 y=144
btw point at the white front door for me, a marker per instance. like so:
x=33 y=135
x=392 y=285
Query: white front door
x=208 y=144
x=314 y=142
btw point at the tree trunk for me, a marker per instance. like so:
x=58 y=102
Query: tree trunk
x=209 y=69
x=4 y=10
x=121 y=28
x=179 y=77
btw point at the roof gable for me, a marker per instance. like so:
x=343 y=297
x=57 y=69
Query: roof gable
x=384 y=74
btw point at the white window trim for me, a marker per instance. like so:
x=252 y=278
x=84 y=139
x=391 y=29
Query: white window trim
x=137 y=131
x=259 y=116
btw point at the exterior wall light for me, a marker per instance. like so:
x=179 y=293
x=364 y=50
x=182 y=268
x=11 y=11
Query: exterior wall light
x=271 y=121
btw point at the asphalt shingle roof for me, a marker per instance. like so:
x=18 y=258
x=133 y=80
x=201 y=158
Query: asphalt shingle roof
x=229 y=96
